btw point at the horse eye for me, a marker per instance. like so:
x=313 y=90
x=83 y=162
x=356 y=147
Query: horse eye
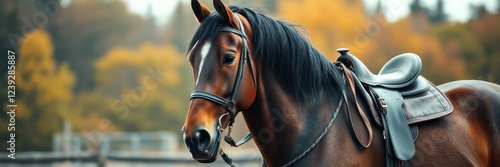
x=228 y=59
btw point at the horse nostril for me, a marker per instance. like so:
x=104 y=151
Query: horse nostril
x=203 y=138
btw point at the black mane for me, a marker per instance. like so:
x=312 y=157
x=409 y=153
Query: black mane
x=301 y=70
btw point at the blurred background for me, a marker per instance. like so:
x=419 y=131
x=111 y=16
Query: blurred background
x=110 y=77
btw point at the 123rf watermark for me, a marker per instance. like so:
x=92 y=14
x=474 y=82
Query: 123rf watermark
x=11 y=105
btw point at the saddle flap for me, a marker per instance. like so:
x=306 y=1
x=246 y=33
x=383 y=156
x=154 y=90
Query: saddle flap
x=426 y=106
x=396 y=126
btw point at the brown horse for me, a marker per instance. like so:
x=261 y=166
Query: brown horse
x=288 y=92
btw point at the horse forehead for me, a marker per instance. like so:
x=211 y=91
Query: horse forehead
x=200 y=49
x=204 y=51
x=205 y=48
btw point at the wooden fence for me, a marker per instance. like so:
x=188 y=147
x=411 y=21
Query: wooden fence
x=49 y=159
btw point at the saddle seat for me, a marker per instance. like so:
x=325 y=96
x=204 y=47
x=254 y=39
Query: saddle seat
x=399 y=72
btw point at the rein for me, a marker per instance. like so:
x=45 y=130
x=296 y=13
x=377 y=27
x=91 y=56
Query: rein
x=349 y=79
x=330 y=123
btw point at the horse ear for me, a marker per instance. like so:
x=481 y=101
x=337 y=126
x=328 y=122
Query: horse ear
x=226 y=13
x=200 y=11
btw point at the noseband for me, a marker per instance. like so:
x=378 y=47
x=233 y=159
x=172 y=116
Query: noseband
x=229 y=105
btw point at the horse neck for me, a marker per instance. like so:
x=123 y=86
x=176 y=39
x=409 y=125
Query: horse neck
x=278 y=122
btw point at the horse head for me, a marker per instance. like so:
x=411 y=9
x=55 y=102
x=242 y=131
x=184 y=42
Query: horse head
x=225 y=80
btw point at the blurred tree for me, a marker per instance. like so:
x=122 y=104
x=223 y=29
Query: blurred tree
x=150 y=83
x=328 y=24
x=438 y=16
x=416 y=7
x=100 y=25
x=44 y=93
x=420 y=17
x=183 y=26
x=498 y=6
x=17 y=19
x=485 y=29
x=270 y=5
x=459 y=42
x=390 y=43
x=478 y=11
x=378 y=8
x=372 y=39
x=150 y=30
x=9 y=14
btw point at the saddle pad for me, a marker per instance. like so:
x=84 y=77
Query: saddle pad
x=429 y=105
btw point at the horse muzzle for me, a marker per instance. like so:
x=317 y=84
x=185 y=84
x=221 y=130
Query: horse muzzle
x=203 y=145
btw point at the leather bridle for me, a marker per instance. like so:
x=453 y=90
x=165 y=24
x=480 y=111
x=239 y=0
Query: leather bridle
x=229 y=104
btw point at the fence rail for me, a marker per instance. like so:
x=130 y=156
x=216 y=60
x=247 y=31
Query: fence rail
x=112 y=159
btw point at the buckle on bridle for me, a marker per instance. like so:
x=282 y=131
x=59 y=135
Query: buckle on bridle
x=230 y=105
x=229 y=140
